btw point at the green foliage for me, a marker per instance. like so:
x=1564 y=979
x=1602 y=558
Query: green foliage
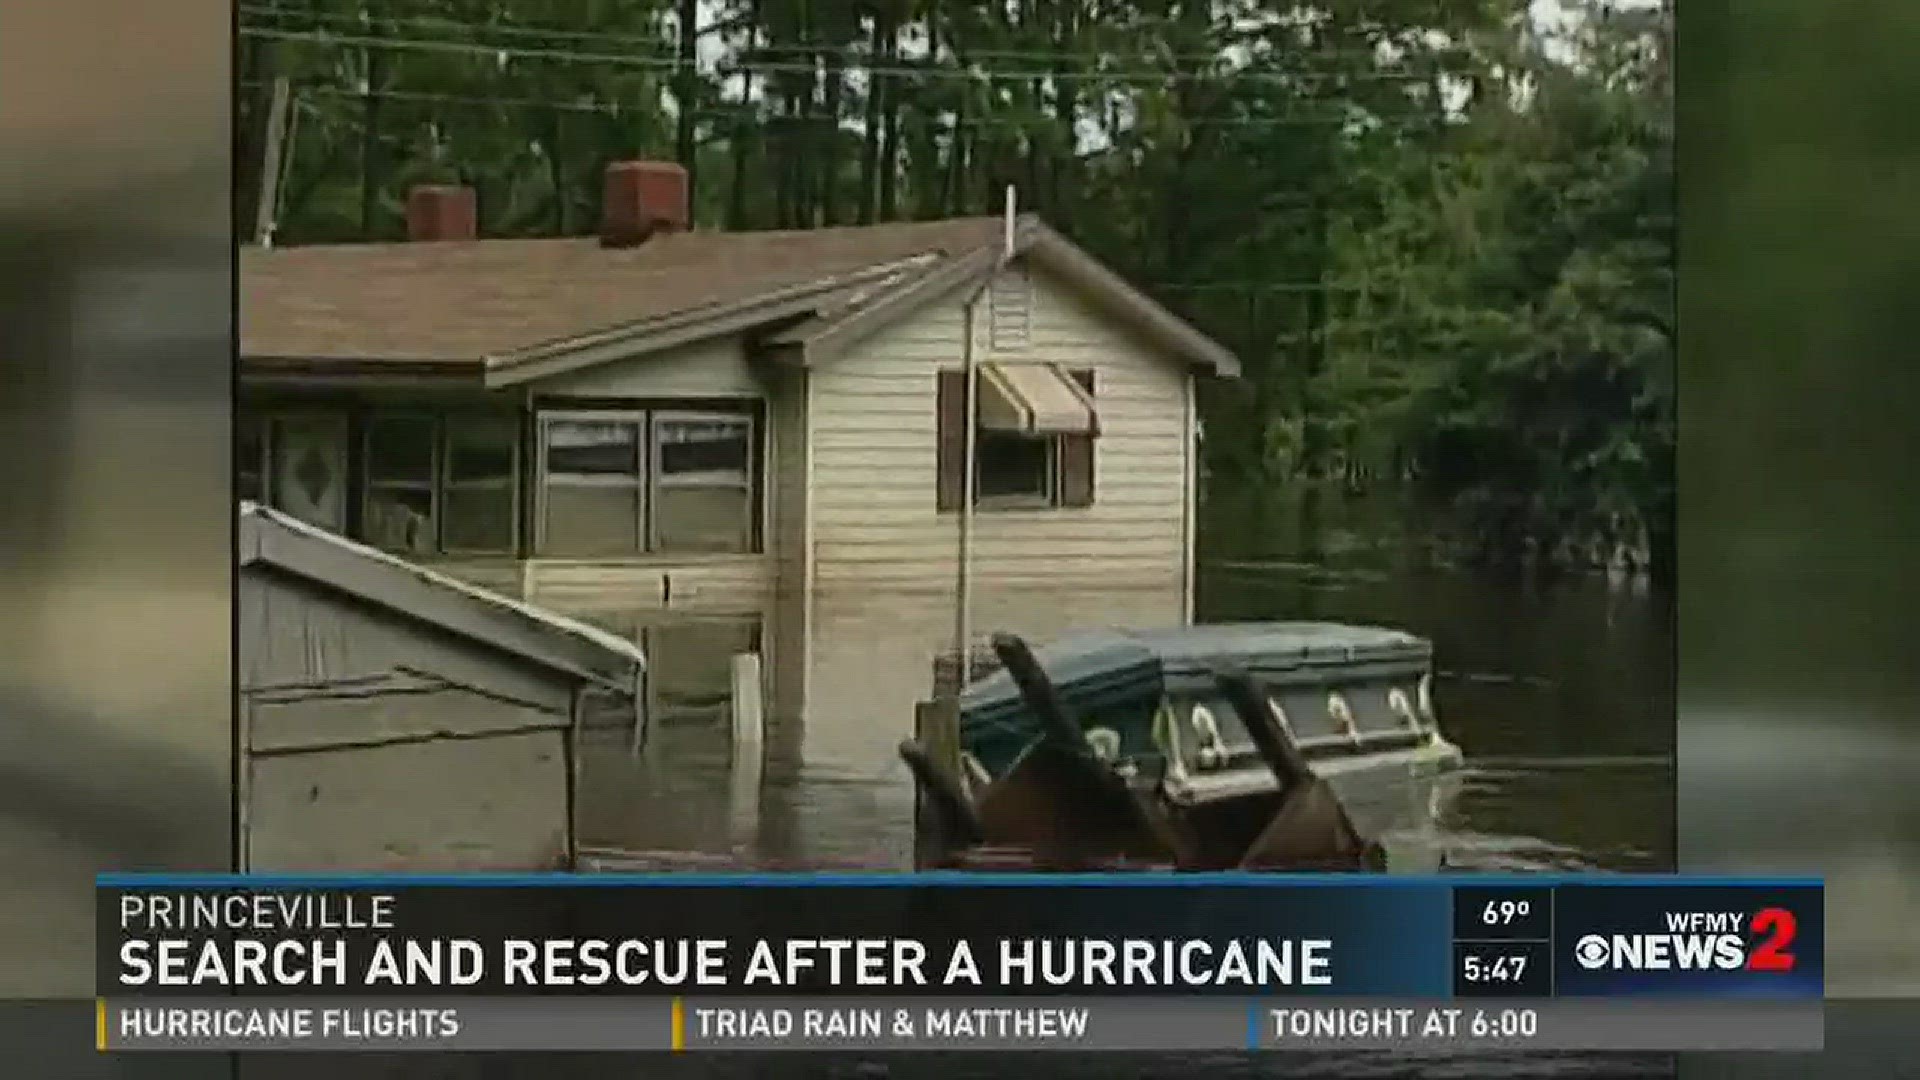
x=1523 y=303
x=1441 y=243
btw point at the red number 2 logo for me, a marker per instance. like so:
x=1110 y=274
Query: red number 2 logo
x=1771 y=954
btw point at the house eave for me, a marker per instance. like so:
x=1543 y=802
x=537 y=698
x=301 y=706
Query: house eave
x=1056 y=253
x=683 y=328
x=822 y=338
x=330 y=370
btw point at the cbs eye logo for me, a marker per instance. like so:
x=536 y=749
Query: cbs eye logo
x=1592 y=952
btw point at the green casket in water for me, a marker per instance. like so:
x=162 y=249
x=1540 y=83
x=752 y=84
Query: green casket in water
x=1342 y=692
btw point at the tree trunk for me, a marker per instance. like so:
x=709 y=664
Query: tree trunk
x=806 y=204
x=889 y=156
x=827 y=140
x=557 y=172
x=1030 y=18
x=925 y=165
x=1066 y=111
x=743 y=126
x=686 y=88
x=870 y=137
x=1315 y=351
x=789 y=155
x=953 y=186
x=370 y=177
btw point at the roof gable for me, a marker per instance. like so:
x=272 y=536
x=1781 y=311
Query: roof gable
x=831 y=333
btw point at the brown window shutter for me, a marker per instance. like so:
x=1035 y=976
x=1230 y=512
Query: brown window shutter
x=1076 y=455
x=951 y=406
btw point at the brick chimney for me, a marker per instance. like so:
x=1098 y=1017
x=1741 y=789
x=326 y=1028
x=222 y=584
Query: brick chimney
x=642 y=198
x=442 y=212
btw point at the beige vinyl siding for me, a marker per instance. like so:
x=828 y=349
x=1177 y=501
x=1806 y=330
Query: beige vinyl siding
x=874 y=430
x=702 y=369
x=711 y=585
x=720 y=584
x=499 y=575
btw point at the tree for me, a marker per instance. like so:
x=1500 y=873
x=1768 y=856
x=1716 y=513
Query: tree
x=1440 y=243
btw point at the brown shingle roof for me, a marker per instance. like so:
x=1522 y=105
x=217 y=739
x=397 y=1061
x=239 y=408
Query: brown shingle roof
x=462 y=301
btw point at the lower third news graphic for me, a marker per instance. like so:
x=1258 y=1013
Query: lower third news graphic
x=685 y=963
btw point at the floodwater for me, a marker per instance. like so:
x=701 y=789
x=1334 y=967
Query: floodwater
x=1561 y=694
x=1561 y=697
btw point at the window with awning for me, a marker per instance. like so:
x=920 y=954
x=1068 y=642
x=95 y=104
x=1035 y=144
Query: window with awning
x=1034 y=447
x=1034 y=400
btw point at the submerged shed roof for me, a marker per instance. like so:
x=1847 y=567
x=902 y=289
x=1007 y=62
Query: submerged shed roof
x=586 y=653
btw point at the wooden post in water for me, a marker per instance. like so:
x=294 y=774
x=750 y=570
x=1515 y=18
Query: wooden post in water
x=749 y=726
x=947 y=679
x=936 y=727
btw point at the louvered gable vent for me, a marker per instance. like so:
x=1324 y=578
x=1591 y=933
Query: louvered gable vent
x=1010 y=304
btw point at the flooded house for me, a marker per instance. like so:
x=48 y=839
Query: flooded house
x=716 y=443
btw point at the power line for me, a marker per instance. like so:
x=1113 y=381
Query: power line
x=815 y=46
x=1376 y=283
x=967 y=74
x=655 y=41
x=614 y=108
x=433 y=98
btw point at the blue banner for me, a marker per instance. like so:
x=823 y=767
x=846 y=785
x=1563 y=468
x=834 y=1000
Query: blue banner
x=1261 y=935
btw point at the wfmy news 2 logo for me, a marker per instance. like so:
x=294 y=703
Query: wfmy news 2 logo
x=1698 y=941
x=1744 y=940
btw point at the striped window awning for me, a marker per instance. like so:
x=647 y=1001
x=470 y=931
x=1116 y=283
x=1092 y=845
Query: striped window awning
x=1034 y=399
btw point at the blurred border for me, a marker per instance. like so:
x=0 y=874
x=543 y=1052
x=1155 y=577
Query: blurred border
x=116 y=299
x=1797 y=737
x=1798 y=742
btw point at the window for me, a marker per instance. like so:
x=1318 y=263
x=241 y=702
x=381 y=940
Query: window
x=702 y=483
x=480 y=471
x=398 y=508
x=250 y=459
x=594 y=489
x=1013 y=468
x=628 y=483
x=307 y=475
x=1036 y=427
x=421 y=482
